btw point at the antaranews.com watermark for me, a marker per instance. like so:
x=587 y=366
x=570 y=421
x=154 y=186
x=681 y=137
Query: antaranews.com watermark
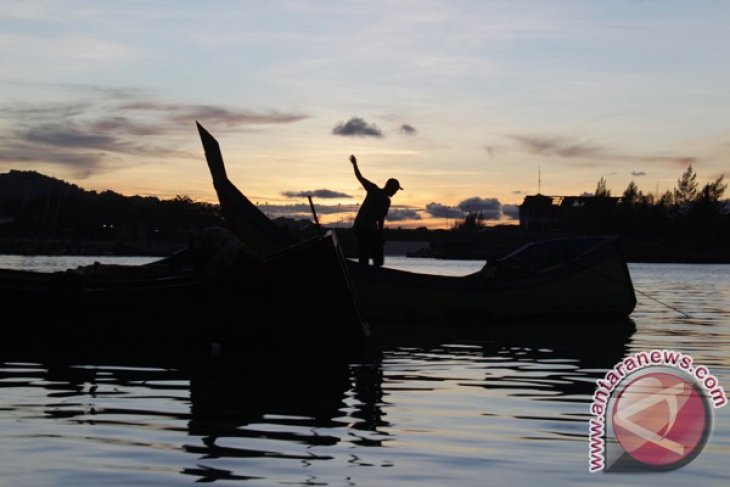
x=652 y=411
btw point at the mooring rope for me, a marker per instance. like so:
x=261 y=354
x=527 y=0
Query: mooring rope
x=618 y=281
x=662 y=303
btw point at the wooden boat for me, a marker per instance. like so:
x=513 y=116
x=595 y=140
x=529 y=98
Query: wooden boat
x=301 y=293
x=582 y=278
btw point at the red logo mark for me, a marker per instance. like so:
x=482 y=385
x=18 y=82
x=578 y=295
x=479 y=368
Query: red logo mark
x=660 y=419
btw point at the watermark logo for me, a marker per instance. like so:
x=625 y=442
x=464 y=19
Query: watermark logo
x=661 y=419
x=652 y=412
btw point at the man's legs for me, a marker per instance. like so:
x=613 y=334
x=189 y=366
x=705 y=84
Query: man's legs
x=363 y=246
x=376 y=246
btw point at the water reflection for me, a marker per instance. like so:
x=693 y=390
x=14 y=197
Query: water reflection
x=500 y=407
x=309 y=412
x=235 y=400
x=256 y=415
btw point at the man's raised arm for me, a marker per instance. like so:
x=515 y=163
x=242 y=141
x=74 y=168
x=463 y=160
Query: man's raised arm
x=368 y=185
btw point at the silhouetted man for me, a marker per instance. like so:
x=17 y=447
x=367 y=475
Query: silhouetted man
x=370 y=218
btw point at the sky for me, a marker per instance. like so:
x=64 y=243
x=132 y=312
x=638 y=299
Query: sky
x=464 y=102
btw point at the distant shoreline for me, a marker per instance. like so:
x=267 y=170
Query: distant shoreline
x=446 y=246
x=698 y=261
x=54 y=247
x=142 y=253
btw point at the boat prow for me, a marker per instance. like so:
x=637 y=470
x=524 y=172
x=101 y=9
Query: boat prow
x=242 y=216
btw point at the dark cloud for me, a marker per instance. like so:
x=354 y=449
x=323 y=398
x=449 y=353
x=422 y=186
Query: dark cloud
x=490 y=208
x=638 y=173
x=490 y=150
x=408 y=129
x=439 y=210
x=357 y=127
x=517 y=191
x=558 y=146
x=400 y=214
x=316 y=193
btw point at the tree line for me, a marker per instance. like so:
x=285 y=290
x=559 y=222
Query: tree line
x=688 y=208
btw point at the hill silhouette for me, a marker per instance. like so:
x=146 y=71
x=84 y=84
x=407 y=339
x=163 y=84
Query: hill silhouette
x=42 y=214
x=25 y=186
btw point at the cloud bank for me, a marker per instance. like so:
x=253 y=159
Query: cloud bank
x=97 y=133
x=439 y=210
x=490 y=208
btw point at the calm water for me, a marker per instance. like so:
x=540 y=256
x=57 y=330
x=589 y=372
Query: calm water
x=421 y=411
x=43 y=263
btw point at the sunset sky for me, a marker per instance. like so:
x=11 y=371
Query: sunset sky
x=462 y=101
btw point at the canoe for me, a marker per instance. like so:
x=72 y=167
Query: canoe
x=301 y=293
x=582 y=279
x=590 y=283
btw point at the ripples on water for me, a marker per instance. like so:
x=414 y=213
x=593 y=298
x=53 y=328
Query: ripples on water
x=435 y=411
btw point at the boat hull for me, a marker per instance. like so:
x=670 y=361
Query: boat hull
x=586 y=290
x=301 y=294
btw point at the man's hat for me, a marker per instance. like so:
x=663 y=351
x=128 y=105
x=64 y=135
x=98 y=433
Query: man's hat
x=393 y=183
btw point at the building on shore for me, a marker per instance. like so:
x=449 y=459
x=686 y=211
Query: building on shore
x=543 y=213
